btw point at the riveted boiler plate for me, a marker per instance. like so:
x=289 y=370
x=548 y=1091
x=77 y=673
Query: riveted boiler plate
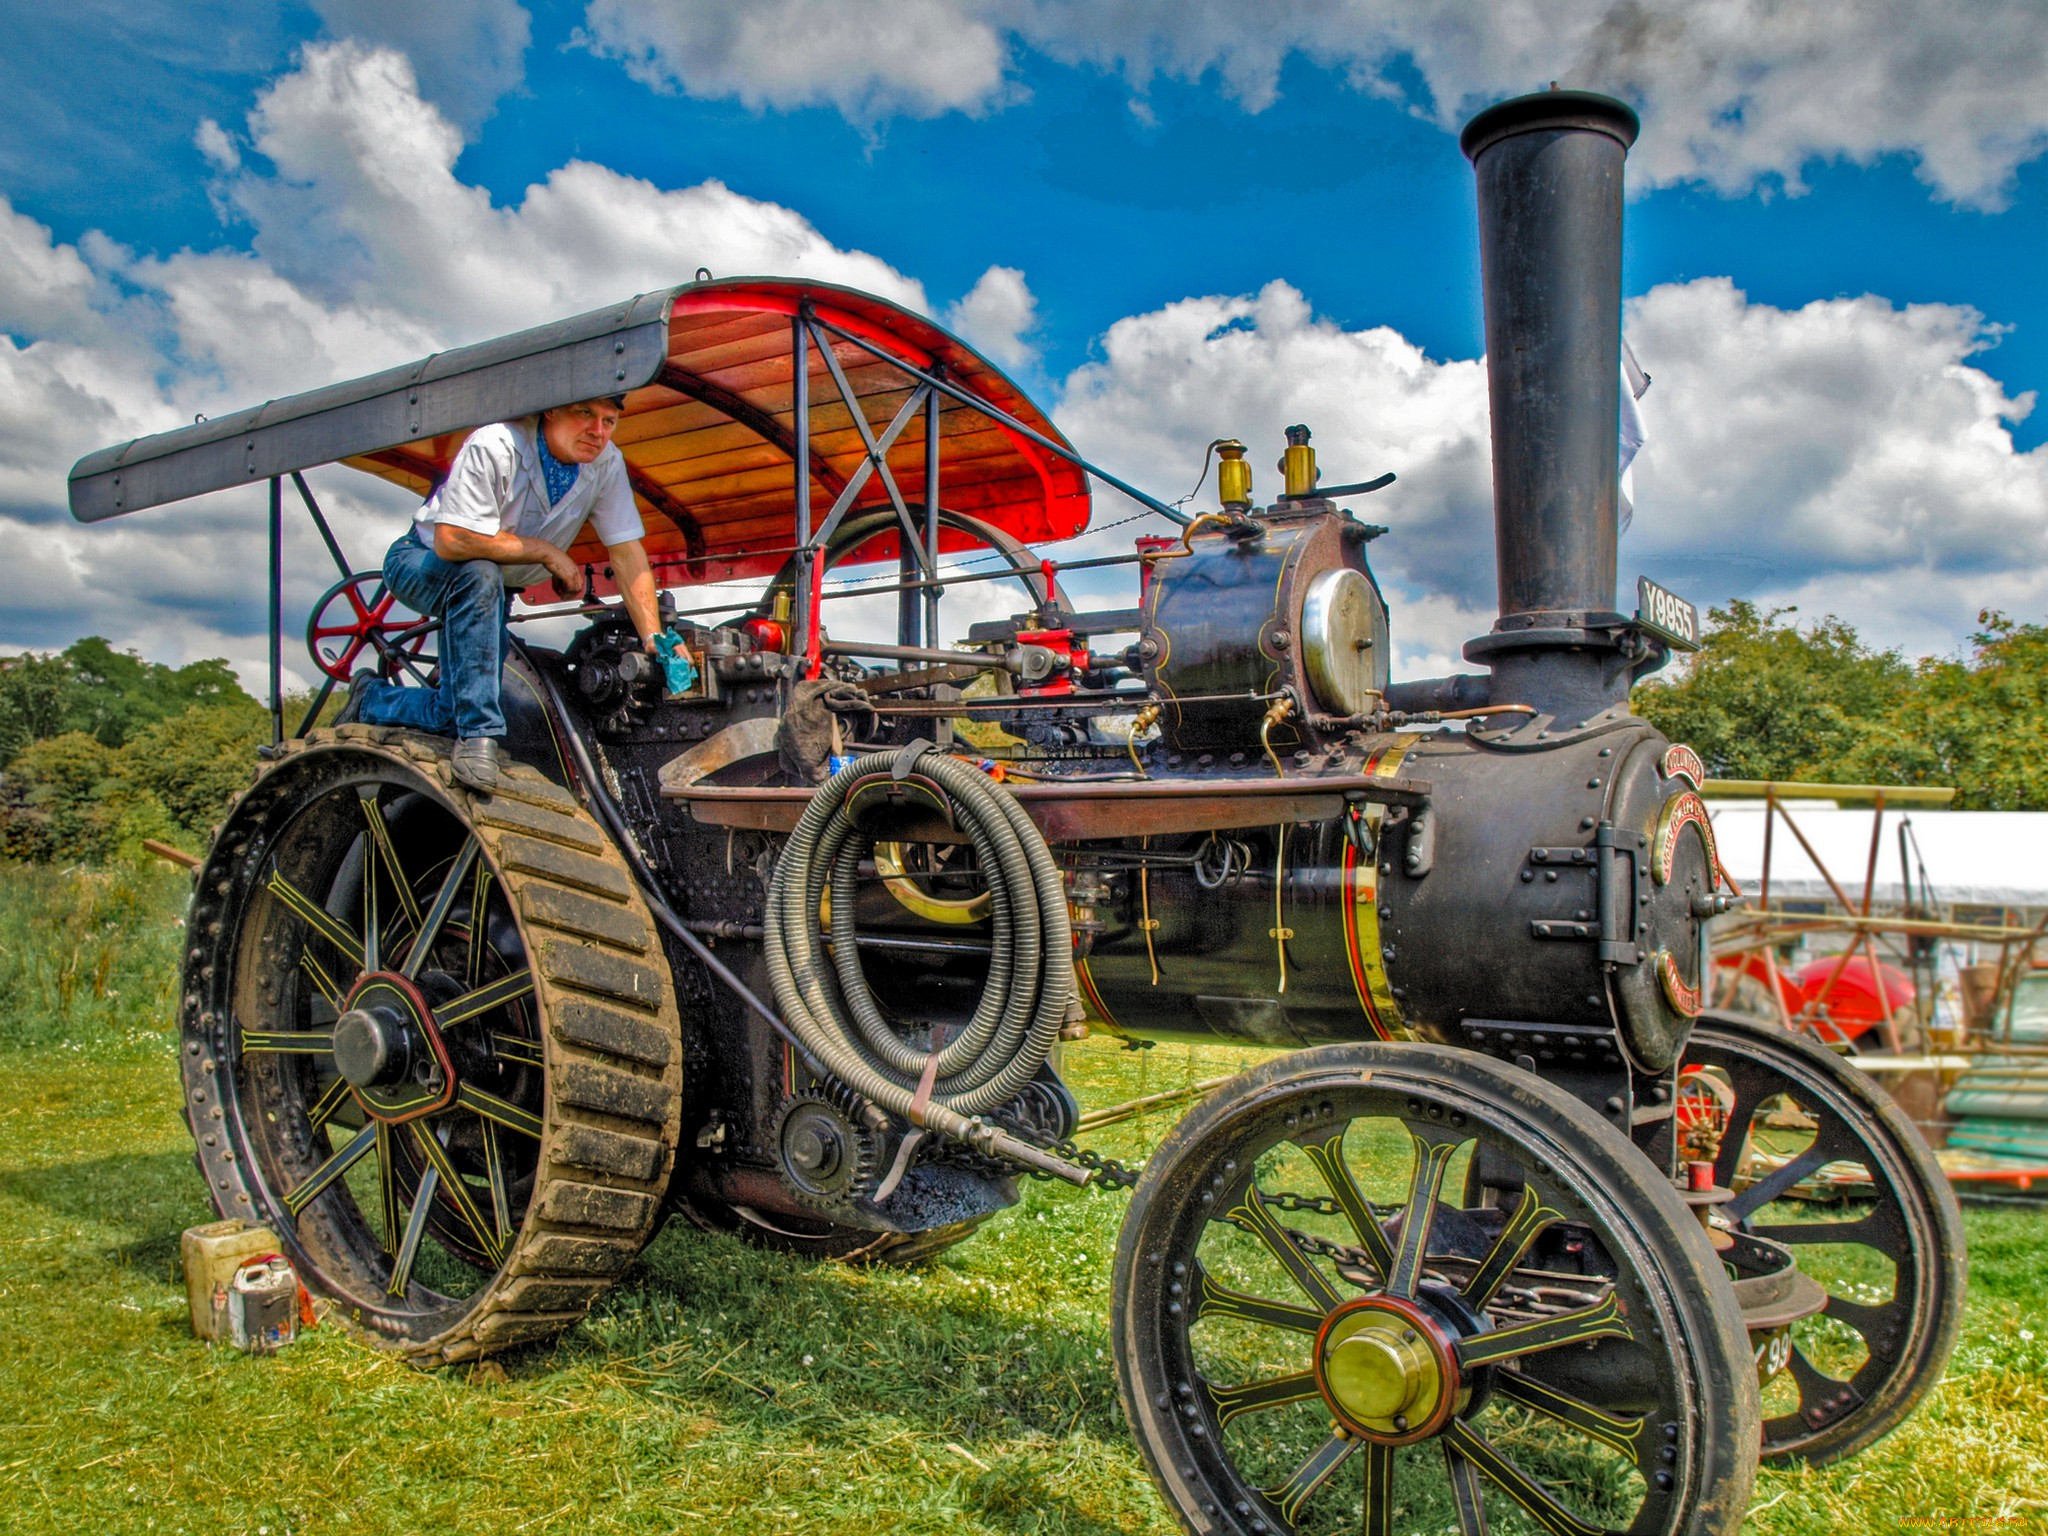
x=1343 y=641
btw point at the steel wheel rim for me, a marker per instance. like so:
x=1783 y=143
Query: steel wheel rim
x=1907 y=1337
x=1477 y=1479
x=338 y=1175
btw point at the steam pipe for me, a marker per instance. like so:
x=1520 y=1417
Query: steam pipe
x=1549 y=173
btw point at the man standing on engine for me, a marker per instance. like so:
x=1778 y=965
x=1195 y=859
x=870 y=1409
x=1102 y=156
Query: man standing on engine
x=515 y=498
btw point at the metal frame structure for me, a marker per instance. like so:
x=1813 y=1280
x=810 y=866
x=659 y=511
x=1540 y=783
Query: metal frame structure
x=371 y=421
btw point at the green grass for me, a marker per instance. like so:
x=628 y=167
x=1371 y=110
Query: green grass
x=716 y=1388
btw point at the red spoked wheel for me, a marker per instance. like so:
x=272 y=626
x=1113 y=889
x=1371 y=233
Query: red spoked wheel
x=355 y=615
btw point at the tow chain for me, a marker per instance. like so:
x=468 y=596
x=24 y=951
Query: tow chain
x=1109 y=1173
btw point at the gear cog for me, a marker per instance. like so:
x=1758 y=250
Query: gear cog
x=826 y=1161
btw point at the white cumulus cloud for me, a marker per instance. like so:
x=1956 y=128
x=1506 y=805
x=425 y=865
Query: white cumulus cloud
x=998 y=315
x=868 y=58
x=1846 y=456
x=368 y=250
x=468 y=53
x=1733 y=91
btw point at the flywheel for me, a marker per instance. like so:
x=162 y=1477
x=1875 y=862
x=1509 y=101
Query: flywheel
x=430 y=1038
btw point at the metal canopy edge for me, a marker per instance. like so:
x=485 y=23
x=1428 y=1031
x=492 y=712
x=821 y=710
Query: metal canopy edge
x=607 y=351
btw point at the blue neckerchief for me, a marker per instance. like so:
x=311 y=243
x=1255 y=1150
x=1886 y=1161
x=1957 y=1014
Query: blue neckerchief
x=558 y=475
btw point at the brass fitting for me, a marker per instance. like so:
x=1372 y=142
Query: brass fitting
x=1233 y=476
x=1298 y=464
x=1280 y=709
x=1141 y=722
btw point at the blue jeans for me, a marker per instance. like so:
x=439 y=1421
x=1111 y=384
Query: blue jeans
x=470 y=600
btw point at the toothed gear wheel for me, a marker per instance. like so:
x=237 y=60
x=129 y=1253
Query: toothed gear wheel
x=826 y=1160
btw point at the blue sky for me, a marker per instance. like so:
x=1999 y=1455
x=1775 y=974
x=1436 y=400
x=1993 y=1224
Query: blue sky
x=1833 y=257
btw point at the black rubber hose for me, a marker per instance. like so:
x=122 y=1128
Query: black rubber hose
x=990 y=1139
x=828 y=1003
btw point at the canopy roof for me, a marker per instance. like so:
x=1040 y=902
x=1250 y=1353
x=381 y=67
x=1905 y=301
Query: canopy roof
x=709 y=434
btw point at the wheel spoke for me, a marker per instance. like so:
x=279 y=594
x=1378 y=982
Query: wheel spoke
x=1328 y=1158
x=325 y=1175
x=1253 y=1216
x=1431 y=1159
x=491 y=1107
x=458 y=1191
x=380 y=835
x=1866 y=1320
x=387 y=1185
x=373 y=926
x=317 y=917
x=1874 y=1231
x=1317 y=1470
x=516 y=1049
x=1624 y=1435
x=1767 y=1189
x=1818 y=1391
x=1214 y=1300
x=437 y=914
x=1531 y=1216
x=1464 y=1478
x=506 y=989
x=323 y=983
x=1379 y=1490
x=288 y=1042
x=1228 y=1402
x=331 y=1099
x=415 y=1231
x=1601 y=1320
x=1516 y=1483
x=479 y=895
x=501 y=1187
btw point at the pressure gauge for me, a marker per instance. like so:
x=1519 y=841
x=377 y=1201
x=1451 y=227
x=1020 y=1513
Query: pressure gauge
x=1344 y=640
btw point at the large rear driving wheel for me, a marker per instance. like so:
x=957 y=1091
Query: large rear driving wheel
x=429 y=1038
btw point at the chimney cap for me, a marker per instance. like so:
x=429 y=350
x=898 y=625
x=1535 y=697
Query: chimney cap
x=1552 y=109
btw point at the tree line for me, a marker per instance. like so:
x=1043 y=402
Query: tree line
x=1768 y=698
x=100 y=748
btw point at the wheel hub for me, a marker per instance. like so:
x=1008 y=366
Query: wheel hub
x=1386 y=1369
x=389 y=1049
x=815 y=1149
x=373 y=1047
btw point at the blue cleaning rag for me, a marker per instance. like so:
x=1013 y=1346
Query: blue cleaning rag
x=677 y=668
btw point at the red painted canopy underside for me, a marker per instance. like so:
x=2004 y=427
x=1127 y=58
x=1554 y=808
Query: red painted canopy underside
x=709 y=442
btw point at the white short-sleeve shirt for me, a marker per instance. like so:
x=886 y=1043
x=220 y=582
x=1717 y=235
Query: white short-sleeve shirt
x=496 y=486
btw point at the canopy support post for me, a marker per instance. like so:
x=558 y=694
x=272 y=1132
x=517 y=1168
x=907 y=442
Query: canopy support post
x=933 y=591
x=320 y=522
x=805 y=615
x=277 y=610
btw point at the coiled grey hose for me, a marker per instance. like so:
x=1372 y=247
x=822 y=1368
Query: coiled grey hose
x=828 y=1003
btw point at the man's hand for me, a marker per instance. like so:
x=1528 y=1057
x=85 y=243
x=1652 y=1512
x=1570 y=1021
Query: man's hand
x=635 y=580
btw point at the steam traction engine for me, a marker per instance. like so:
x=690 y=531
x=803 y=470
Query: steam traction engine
x=785 y=942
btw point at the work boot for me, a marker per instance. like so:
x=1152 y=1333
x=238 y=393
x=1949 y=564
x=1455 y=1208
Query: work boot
x=359 y=687
x=477 y=762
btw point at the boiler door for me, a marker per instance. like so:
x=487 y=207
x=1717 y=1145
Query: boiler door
x=1344 y=641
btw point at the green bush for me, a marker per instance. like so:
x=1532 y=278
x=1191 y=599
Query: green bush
x=195 y=763
x=67 y=801
x=1769 y=699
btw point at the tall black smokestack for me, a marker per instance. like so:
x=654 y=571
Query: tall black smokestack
x=1549 y=168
